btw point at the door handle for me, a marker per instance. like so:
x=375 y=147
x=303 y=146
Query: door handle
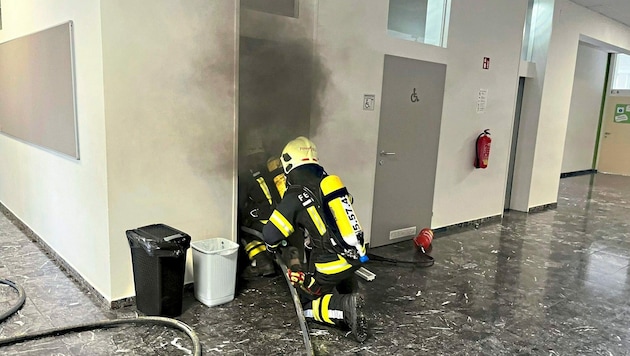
x=383 y=153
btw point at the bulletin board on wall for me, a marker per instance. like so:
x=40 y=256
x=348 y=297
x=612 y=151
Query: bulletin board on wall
x=37 y=90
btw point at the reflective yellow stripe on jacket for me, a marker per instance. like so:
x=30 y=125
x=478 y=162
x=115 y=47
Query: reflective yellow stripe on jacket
x=265 y=189
x=317 y=220
x=279 y=221
x=333 y=267
x=255 y=247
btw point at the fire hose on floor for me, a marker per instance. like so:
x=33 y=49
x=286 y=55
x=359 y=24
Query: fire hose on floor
x=422 y=243
x=428 y=262
x=173 y=323
x=298 y=308
x=21 y=299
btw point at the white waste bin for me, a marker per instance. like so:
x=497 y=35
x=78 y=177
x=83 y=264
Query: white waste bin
x=214 y=268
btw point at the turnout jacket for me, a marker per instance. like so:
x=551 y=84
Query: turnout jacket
x=258 y=196
x=301 y=208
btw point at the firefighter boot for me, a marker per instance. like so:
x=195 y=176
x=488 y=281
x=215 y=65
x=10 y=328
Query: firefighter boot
x=263 y=267
x=352 y=306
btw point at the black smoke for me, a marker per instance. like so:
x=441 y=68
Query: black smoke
x=280 y=86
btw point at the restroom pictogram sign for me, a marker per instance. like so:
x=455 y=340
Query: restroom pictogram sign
x=486 y=63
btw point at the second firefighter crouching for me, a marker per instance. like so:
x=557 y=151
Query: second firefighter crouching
x=328 y=287
x=259 y=191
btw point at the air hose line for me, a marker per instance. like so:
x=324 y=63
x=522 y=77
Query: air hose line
x=21 y=299
x=173 y=323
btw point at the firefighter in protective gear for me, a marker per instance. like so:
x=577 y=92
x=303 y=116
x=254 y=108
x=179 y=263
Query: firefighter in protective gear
x=257 y=198
x=328 y=288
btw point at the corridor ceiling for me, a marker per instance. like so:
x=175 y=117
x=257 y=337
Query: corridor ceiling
x=618 y=10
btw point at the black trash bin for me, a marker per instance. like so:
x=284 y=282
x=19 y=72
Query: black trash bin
x=158 y=254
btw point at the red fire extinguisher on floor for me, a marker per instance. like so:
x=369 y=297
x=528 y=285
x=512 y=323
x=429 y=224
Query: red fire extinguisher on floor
x=424 y=239
x=483 y=149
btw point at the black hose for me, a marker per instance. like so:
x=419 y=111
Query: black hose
x=107 y=324
x=21 y=296
x=298 y=308
x=174 y=323
x=428 y=262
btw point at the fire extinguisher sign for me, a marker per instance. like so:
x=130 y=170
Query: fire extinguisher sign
x=486 y=63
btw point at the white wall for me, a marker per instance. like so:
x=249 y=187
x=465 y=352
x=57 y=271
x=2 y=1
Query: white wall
x=351 y=37
x=63 y=200
x=586 y=100
x=570 y=21
x=170 y=104
x=530 y=111
x=156 y=110
x=488 y=29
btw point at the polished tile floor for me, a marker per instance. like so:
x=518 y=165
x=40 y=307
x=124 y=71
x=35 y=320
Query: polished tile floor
x=549 y=283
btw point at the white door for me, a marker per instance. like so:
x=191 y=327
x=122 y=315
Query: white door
x=409 y=130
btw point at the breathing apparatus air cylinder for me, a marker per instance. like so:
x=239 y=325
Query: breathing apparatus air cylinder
x=336 y=197
x=279 y=179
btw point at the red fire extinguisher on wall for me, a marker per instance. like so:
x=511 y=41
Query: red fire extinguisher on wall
x=483 y=149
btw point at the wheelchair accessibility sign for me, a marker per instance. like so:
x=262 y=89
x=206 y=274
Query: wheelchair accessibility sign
x=621 y=113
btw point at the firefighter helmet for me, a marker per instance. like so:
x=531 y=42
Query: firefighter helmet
x=298 y=152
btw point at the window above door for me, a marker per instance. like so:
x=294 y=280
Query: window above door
x=621 y=74
x=424 y=21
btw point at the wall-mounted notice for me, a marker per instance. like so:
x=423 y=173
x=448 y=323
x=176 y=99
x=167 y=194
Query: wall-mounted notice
x=621 y=114
x=37 y=101
x=368 y=102
x=482 y=101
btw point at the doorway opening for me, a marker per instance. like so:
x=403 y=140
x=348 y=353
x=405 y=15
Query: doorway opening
x=515 y=127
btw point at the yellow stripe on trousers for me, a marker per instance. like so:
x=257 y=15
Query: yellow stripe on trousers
x=320 y=309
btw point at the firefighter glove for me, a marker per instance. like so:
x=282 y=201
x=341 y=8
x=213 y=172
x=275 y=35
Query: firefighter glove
x=306 y=282
x=296 y=277
x=303 y=281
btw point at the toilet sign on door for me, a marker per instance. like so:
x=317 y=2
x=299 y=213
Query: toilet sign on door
x=486 y=63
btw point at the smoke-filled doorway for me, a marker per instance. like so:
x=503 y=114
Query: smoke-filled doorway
x=275 y=91
x=279 y=88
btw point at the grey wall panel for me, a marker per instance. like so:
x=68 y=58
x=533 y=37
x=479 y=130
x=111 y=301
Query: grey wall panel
x=37 y=101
